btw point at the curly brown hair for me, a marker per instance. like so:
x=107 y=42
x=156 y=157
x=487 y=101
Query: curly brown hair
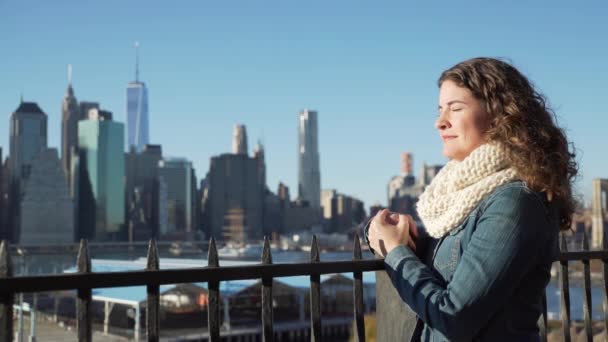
x=525 y=125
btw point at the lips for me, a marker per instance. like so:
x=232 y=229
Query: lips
x=448 y=137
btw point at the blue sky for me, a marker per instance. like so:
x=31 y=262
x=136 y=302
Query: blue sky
x=368 y=67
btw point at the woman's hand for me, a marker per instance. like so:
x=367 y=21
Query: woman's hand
x=389 y=230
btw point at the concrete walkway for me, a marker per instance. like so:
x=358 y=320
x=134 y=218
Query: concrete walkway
x=53 y=332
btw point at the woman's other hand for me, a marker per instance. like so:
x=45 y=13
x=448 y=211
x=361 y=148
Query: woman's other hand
x=413 y=233
x=389 y=230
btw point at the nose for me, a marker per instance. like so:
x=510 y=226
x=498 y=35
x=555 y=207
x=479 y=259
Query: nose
x=442 y=121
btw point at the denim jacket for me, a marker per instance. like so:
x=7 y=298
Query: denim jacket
x=485 y=279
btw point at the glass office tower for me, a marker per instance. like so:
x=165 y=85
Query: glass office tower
x=137 y=116
x=102 y=184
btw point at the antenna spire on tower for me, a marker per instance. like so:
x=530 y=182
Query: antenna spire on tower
x=70 y=74
x=136 y=61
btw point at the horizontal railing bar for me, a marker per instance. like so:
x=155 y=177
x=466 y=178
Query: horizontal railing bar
x=583 y=255
x=72 y=281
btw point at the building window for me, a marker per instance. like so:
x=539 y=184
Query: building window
x=25 y=171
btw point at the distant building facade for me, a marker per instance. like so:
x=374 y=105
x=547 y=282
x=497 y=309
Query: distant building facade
x=143 y=192
x=341 y=212
x=47 y=209
x=234 y=198
x=70 y=115
x=403 y=190
x=309 y=174
x=239 y=140
x=101 y=186
x=84 y=108
x=177 y=176
x=297 y=215
x=599 y=213
x=28 y=137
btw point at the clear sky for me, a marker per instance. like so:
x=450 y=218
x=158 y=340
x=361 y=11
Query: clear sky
x=368 y=67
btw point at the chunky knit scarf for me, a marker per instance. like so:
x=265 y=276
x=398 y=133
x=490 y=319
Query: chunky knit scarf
x=460 y=186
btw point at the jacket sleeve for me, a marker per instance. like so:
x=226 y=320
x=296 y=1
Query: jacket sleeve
x=501 y=251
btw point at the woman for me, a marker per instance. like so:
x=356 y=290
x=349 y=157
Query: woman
x=478 y=269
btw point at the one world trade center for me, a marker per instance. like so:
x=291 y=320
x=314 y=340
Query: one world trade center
x=137 y=111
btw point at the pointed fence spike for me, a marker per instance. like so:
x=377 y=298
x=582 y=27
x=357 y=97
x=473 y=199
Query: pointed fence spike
x=212 y=258
x=267 y=314
x=563 y=243
x=213 y=308
x=266 y=252
x=315 y=295
x=314 y=250
x=6 y=301
x=83 y=301
x=152 y=259
x=83 y=262
x=585 y=241
x=152 y=298
x=359 y=306
x=6 y=267
x=357 y=250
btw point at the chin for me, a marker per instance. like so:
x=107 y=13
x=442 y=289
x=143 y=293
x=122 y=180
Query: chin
x=453 y=156
x=448 y=154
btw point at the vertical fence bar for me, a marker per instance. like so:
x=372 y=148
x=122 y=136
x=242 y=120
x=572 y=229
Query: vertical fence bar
x=565 y=293
x=587 y=306
x=152 y=299
x=6 y=299
x=315 y=295
x=213 y=309
x=605 y=275
x=267 y=314
x=542 y=320
x=83 y=302
x=358 y=294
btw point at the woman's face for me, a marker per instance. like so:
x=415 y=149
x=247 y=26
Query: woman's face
x=462 y=121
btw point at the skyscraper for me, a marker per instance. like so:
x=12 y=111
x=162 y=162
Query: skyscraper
x=137 y=110
x=47 y=209
x=102 y=172
x=5 y=186
x=309 y=180
x=142 y=178
x=239 y=140
x=177 y=175
x=70 y=114
x=28 y=136
x=235 y=199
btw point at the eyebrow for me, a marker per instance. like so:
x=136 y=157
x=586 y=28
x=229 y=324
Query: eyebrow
x=452 y=102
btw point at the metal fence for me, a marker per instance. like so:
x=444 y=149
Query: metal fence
x=152 y=277
x=584 y=256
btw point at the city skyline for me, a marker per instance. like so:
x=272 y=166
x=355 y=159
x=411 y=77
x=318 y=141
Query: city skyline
x=369 y=71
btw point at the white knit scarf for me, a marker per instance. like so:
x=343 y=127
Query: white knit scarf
x=460 y=186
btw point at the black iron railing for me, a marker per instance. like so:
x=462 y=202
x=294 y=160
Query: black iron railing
x=152 y=277
x=584 y=256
